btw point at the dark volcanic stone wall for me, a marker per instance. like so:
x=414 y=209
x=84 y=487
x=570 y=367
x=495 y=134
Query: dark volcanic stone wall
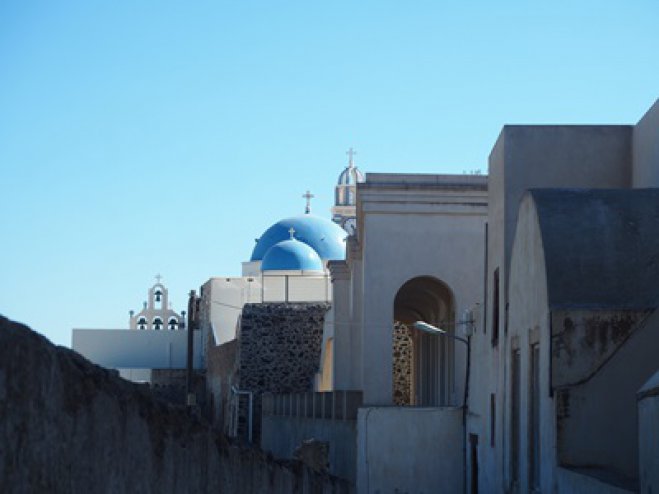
x=279 y=350
x=69 y=426
x=402 y=364
x=280 y=346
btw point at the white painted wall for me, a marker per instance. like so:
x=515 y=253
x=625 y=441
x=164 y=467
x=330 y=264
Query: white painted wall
x=423 y=456
x=523 y=157
x=134 y=349
x=410 y=226
x=528 y=324
x=226 y=298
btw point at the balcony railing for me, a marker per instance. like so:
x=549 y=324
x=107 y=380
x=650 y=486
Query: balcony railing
x=328 y=405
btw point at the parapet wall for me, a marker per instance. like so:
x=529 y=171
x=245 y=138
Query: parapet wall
x=67 y=425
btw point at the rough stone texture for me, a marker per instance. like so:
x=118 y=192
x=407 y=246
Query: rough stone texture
x=314 y=454
x=171 y=385
x=67 y=425
x=279 y=351
x=402 y=355
x=280 y=346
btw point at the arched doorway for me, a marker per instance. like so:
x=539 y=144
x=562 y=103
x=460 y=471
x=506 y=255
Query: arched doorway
x=429 y=364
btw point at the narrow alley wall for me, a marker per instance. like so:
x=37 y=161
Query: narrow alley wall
x=67 y=425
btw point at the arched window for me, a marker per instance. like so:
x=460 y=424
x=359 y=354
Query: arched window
x=157 y=324
x=173 y=324
x=158 y=297
x=425 y=358
x=141 y=323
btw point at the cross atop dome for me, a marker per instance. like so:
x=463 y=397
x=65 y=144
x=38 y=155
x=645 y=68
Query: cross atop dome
x=291 y=232
x=351 y=154
x=308 y=196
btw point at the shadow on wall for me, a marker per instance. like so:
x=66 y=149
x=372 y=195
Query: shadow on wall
x=54 y=403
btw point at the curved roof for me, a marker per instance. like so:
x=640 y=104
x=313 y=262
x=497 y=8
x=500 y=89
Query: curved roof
x=601 y=246
x=290 y=255
x=350 y=176
x=322 y=235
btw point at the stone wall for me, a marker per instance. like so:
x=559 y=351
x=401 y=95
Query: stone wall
x=279 y=351
x=67 y=425
x=402 y=368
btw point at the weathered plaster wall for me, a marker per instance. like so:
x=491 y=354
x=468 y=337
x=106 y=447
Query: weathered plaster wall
x=583 y=341
x=67 y=425
x=608 y=441
x=283 y=435
x=648 y=417
x=424 y=456
x=524 y=157
x=221 y=373
x=528 y=324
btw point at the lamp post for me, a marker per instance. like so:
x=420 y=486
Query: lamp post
x=429 y=328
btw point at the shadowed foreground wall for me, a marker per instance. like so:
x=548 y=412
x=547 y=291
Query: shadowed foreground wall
x=67 y=425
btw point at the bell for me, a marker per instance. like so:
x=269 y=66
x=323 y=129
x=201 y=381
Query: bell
x=158 y=294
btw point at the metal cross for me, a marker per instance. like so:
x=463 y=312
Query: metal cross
x=351 y=154
x=308 y=196
x=291 y=231
x=158 y=278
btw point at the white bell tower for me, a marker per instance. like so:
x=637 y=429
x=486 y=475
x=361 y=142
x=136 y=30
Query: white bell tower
x=344 y=210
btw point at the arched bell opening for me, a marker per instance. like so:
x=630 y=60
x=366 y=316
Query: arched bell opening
x=422 y=362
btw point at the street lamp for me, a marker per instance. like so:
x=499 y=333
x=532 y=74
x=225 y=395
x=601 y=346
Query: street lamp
x=429 y=328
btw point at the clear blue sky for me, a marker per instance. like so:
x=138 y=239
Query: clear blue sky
x=162 y=137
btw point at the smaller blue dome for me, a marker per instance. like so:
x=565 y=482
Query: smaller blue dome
x=291 y=255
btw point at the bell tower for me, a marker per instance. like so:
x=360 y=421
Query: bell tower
x=156 y=313
x=344 y=210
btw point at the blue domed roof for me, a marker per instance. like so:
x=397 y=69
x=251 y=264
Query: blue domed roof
x=291 y=255
x=322 y=235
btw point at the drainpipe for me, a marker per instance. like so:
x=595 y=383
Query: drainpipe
x=237 y=391
x=465 y=413
x=190 y=398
